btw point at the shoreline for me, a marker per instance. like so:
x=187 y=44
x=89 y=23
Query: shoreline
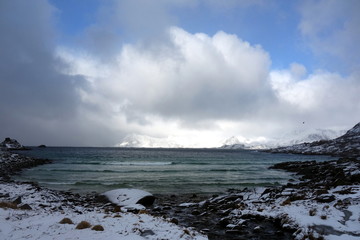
x=28 y=211
x=260 y=213
x=323 y=204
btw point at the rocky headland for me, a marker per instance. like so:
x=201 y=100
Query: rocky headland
x=11 y=144
x=12 y=163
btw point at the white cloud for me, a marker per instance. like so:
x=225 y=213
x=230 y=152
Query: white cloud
x=182 y=87
x=324 y=96
x=192 y=77
x=198 y=90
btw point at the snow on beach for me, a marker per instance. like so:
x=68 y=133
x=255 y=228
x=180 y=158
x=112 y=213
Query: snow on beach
x=31 y=212
x=48 y=208
x=339 y=219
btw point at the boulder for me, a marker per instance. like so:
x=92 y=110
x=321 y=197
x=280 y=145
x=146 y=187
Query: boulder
x=127 y=197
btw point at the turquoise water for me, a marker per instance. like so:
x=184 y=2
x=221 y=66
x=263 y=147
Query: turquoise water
x=157 y=170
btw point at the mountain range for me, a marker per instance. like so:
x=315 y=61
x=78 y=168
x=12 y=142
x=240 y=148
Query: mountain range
x=345 y=145
x=286 y=139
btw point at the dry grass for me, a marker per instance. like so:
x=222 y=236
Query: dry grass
x=286 y=202
x=97 y=228
x=83 y=225
x=143 y=211
x=8 y=205
x=66 y=221
x=312 y=212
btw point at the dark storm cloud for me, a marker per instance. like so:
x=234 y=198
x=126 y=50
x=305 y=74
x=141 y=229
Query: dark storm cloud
x=33 y=93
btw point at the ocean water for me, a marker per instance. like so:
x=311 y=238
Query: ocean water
x=168 y=171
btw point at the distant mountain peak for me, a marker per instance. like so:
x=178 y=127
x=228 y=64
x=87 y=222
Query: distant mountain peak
x=143 y=141
x=345 y=145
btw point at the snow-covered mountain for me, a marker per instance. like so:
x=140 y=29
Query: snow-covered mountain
x=347 y=144
x=142 y=141
x=287 y=139
x=233 y=143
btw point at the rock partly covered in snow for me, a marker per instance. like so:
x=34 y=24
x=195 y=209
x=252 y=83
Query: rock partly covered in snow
x=130 y=198
x=11 y=144
x=347 y=144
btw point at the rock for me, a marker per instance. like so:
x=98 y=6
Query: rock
x=257 y=229
x=232 y=231
x=147 y=232
x=42 y=146
x=325 y=198
x=4 y=195
x=11 y=144
x=196 y=212
x=97 y=228
x=224 y=222
x=127 y=197
x=25 y=207
x=17 y=200
x=174 y=220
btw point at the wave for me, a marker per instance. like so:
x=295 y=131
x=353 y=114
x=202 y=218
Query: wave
x=121 y=163
x=140 y=163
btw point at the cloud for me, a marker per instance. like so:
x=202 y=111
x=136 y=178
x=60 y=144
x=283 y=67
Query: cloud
x=320 y=97
x=194 y=78
x=193 y=88
x=38 y=104
x=331 y=29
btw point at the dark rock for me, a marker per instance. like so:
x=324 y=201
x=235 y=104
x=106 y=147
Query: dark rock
x=233 y=231
x=224 y=222
x=257 y=229
x=25 y=207
x=325 y=198
x=147 y=232
x=101 y=199
x=174 y=220
x=195 y=212
x=17 y=200
x=146 y=201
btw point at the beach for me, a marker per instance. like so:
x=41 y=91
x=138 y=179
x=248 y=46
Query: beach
x=322 y=203
x=28 y=211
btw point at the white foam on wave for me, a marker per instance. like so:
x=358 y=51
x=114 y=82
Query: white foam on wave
x=140 y=163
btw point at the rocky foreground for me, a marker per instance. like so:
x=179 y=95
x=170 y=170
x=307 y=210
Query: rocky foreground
x=322 y=204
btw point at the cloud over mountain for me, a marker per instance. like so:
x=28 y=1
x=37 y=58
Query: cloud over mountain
x=117 y=79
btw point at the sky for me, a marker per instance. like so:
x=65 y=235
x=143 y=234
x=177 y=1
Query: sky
x=193 y=72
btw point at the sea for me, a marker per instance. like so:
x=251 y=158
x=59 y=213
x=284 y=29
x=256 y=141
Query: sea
x=159 y=171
